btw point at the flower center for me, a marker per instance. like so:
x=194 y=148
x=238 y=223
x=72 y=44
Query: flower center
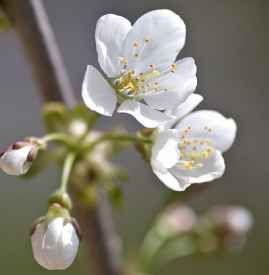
x=134 y=84
x=194 y=151
x=130 y=85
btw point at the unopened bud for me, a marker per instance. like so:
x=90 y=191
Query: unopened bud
x=55 y=240
x=177 y=220
x=18 y=158
x=232 y=224
x=78 y=128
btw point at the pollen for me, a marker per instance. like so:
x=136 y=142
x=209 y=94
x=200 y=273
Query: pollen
x=193 y=151
x=123 y=60
x=173 y=68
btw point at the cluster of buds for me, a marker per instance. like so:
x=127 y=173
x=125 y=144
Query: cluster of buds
x=178 y=231
x=55 y=238
x=17 y=158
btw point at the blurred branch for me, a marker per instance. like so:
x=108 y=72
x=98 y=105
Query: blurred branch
x=32 y=25
x=31 y=22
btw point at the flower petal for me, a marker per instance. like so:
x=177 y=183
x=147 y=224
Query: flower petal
x=165 y=151
x=210 y=125
x=147 y=116
x=111 y=31
x=14 y=161
x=176 y=86
x=97 y=94
x=165 y=154
x=183 y=109
x=156 y=38
x=51 y=243
x=212 y=168
x=187 y=106
x=53 y=233
x=67 y=246
x=36 y=240
x=168 y=179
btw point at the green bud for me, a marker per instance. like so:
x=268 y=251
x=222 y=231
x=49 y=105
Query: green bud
x=55 y=116
x=57 y=210
x=61 y=198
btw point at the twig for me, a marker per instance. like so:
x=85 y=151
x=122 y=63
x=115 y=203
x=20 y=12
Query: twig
x=31 y=22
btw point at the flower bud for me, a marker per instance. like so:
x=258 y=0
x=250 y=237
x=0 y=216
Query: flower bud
x=177 y=219
x=78 y=128
x=18 y=158
x=55 y=242
x=232 y=224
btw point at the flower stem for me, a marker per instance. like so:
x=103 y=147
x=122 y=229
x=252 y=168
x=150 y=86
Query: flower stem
x=57 y=137
x=67 y=167
x=116 y=138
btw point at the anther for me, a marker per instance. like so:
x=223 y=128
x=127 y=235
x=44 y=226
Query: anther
x=173 y=68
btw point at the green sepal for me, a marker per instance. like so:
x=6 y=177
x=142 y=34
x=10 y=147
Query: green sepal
x=57 y=211
x=61 y=198
x=55 y=116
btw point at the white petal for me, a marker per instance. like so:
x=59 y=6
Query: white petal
x=166 y=34
x=222 y=130
x=183 y=109
x=187 y=106
x=168 y=179
x=53 y=233
x=111 y=31
x=147 y=116
x=50 y=245
x=165 y=151
x=97 y=94
x=212 y=168
x=36 y=240
x=68 y=246
x=176 y=86
x=14 y=161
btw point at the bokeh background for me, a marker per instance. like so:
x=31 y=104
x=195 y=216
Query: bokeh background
x=229 y=40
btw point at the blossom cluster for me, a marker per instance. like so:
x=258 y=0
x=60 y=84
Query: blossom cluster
x=144 y=79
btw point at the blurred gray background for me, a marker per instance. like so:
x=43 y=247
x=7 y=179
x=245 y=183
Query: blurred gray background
x=229 y=40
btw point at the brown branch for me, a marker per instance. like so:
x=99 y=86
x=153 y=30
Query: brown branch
x=31 y=22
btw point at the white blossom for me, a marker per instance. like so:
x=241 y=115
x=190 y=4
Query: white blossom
x=139 y=63
x=55 y=245
x=192 y=151
x=17 y=161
